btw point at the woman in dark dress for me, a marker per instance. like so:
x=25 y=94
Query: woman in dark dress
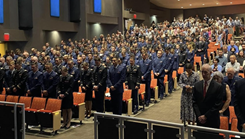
x=65 y=92
x=240 y=60
x=87 y=87
x=218 y=77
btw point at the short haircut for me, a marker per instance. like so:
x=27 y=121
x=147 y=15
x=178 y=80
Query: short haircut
x=49 y=64
x=64 y=69
x=219 y=74
x=208 y=66
x=188 y=66
x=96 y=59
x=85 y=64
x=216 y=59
x=34 y=63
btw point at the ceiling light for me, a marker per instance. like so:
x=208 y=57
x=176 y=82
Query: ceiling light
x=190 y=4
x=182 y=7
x=203 y=4
x=178 y=0
x=231 y=2
x=217 y=3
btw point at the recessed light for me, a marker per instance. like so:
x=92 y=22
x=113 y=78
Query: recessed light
x=217 y=3
x=231 y=2
x=190 y=4
x=203 y=4
x=182 y=7
x=178 y=0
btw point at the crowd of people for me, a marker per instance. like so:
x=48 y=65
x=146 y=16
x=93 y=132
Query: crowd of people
x=109 y=61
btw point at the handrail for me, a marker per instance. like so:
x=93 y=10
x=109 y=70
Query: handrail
x=213 y=130
x=15 y=117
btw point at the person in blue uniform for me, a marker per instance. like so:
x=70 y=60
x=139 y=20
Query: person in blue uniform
x=99 y=84
x=158 y=65
x=2 y=74
x=201 y=48
x=72 y=70
x=168 y=68
x=87 y=87
x=65 y=92
x=58 y=65
x=146 y=66
x=50 y=82
x=133 y=79
x=20 y=77
x=35 y=81
x=8 y=79
x=116 y=77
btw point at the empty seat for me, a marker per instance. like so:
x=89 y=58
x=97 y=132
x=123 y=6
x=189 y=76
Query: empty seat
x=31 y=117
x=180 y=70
x=142 y=95
x=4 y=91
x=197 y=59
x=127 y=102
x=232 y=113
x=50 y=116
x=165 y=82
x=174 y=76
x=2 y=97
x=79 y=106
x=155 y=88
x=11 y=98
x=26 y=101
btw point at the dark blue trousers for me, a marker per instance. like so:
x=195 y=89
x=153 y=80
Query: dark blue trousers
x=116 y=102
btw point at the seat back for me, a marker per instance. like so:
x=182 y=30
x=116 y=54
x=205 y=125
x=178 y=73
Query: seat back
x=127 y=94
x=2 y=97
x=165 y=79
x=80 y=89
x=153 y=83
x=234 y=124
x=197 y=59
x=4 y=91
x=174 y=74
x=78 y=98
x=26 y=101
x=107 y=90
x=11 y=98
x=38 y=103
x=224 y=123
x=232 y=113
x=53 y=104
x=229 y=37
x=241 y=75
x=142 y=88
x=180 y=70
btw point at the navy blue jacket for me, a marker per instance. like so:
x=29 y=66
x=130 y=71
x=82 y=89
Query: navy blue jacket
x=50 y=82
x=116 y=77
x=158 y=65
x=34 y=83
x=146 y=69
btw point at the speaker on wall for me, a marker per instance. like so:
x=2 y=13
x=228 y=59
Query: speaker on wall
x=25 y=14
x=75 y=11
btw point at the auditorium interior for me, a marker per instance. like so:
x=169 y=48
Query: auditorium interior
x=183 y=42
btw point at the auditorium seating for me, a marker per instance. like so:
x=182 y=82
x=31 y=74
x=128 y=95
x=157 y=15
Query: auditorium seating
x=224 y=123
x=232 y=113
x=50 y=117
x=141 y=97
x=2 y=97
x=165 y=82
x=241 y=75
x=11 y=98
x=127 y=102
x=26 y=101
x=180 y=70
x=174 y=76
x=79 y=106
x=197 y=59
x=154 y=87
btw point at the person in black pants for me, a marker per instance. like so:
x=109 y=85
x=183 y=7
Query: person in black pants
x=86 y=85
x=99 y=84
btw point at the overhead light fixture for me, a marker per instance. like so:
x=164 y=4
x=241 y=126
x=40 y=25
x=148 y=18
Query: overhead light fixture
x=190 y=4
x=203 y=4
x=182 y=7
x=217 y=3
x=178 y=0
x=231 y=2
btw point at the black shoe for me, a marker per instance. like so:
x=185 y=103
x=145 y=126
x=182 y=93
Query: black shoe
x=147 y=104
x=63 y=126
x=135 y=111
x=88 y=116
x=67 y=127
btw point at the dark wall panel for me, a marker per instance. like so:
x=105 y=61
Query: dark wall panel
x=138 y=5
x=25 y=14
x=97 y=29
x=75 y=15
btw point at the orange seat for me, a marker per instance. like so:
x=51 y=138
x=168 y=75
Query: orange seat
x=174 y=74
x=52 y=105
x=78 y=98
x=232 y=113
x=142 y=91
x=38 y=103
x=80 y=89
x=224 y=123
x=180 y=70
x=11 y=98
x=153 y=83
x=229 y=37
x=93 y=94
x=127 y=94
x=107 y=90
x=234 y=126
x=241 y=74
x=165 y=79
x=2 y=97
x=4 y=91
x=197 y=59
x=26 y=101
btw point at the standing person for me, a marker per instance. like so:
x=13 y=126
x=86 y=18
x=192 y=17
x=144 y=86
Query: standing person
x=158 y=65
x=86 y=85
x=133 y=79
x=20 y=78
x=187 y=81
x=58 y=65
x=207 y=99
x=116 y=77
x=9 y=82
x=74 y=71
x=239 y=103
x=2 y=74
x=218 y=77
x=65 y=92
x=237 y=24
x=34 y=81
x=50 y=82
x=146 y=66
x=99 y=84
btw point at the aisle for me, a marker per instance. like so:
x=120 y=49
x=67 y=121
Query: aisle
x=166 y=110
